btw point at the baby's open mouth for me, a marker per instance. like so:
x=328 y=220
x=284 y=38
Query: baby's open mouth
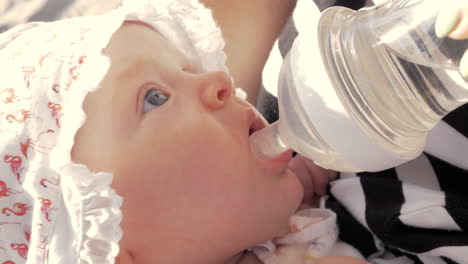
x=256 y=124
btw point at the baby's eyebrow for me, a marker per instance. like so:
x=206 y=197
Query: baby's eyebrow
x=139 y=22
x=135 y=67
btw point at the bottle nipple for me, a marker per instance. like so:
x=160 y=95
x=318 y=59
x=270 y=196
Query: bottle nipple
x=266 y=143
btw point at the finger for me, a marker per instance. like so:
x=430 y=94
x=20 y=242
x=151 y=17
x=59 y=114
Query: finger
x=320 y=179
x=447 y=20
x=297 y=166
x=320 y=187
x=320 y=176
x=461 y=32
x=461 y=29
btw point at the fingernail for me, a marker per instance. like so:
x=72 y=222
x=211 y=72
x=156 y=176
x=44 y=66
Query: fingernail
x=447 y=20
x=464 y=64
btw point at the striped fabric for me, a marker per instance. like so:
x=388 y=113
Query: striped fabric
x=414 y=213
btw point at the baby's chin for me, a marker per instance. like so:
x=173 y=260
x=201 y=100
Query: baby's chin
x=296 y=192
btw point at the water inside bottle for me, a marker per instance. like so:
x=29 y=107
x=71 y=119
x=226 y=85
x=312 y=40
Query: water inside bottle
x=402 y=96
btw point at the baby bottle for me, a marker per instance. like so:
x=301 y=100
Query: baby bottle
x=364 y=88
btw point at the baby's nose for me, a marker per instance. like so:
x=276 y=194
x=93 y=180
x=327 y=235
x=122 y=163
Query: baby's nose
x=214 y=88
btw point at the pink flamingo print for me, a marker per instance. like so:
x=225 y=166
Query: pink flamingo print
x=82 y=60
x=56 y=108
x=27 y=232
x=18 y=33
x=10 y=96
x=73 y=76
x=74 y=69
x=45 y=207
x=28 y=73
x=27 y=235
x=22 y=249
x=55 y=57
x=15 y=165
x=5 y=191
x=15 y=35
x=57 y=87
x=32 y=143
x=43 y=182
x=20 y=208
x=43 y=243
x=9 y=223
x=20 y=116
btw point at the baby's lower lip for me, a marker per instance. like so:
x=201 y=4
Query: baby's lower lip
x=284 y=157
x=281 y=160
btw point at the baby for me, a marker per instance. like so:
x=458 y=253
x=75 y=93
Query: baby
x=226 y=202
x=136 y=103
x=175 y=138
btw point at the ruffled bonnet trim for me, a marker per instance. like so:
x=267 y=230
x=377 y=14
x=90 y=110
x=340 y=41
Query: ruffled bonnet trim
x=186 y=23
x=90 y=197
x=89 y=224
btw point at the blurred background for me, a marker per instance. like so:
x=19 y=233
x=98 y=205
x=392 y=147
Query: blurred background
x=14 y=12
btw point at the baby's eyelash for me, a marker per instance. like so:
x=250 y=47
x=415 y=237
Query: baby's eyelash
x=143 y=95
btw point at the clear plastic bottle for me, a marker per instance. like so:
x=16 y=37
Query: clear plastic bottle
x=361 y=92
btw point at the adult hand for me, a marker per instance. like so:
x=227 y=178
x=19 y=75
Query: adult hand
x=452 y=22
x=313 y=178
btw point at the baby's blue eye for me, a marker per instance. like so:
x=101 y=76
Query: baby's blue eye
x=154 y=98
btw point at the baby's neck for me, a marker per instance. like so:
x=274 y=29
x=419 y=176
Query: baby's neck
x=126 y=257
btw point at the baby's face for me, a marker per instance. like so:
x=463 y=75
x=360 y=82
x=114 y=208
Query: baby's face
x=177 y=141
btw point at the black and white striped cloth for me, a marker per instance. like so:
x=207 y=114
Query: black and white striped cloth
x=414 y=213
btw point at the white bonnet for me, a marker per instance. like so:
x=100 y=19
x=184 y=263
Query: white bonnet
x=51 y=210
